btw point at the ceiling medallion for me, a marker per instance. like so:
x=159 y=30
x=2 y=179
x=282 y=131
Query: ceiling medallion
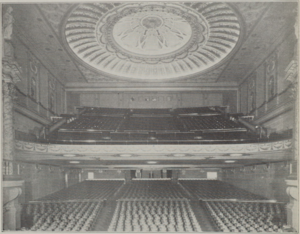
x=150 y=35
x=152 y=41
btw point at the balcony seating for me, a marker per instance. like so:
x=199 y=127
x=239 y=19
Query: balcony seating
x=149 y=124
x=202 y=110
x=86 y=190
x=61 y=216
x=152 y=189
x=94 y=111
x=216 y=122
x=150 y=111
x=154 y=216
x=214 y=189
x=200 y=125
x=246 y=216
x=93 y=123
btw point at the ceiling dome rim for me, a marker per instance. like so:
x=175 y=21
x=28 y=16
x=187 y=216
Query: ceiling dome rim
x=159 y=80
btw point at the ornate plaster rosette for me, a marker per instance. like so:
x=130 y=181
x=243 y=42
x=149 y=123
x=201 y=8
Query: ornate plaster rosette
x=152 y=41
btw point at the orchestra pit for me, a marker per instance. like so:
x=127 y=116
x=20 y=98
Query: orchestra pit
x=150 y=117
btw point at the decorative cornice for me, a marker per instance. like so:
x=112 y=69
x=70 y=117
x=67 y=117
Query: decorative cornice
x=117 y=87
x=156 y=149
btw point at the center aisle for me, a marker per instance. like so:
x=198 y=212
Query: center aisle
x=203 y=218
x=104 y=218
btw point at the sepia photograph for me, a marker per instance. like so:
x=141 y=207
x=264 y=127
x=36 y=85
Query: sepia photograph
x=150 y=116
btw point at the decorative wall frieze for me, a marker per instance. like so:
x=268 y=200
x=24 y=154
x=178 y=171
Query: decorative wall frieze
x=157 y=149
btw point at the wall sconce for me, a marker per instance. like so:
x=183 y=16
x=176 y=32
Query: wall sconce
x=37 y=168
x=50 y=168
x=253 y=168
x=266 y=167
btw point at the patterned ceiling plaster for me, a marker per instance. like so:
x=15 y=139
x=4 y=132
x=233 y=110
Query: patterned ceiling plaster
x=31 y=30
x=277 y=21
x=55 y=13
x=152 y=41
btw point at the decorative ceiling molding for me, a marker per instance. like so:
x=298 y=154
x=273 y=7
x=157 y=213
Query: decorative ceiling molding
x=152 y=41
x=251 y=13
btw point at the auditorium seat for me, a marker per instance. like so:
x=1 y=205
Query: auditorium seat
x=150 y=111
x=93 y=123
x=151 y=189
x=95 y=111
x=154 y=216
x=216 y=122
x=199 y=110
x=149 y=124
x=215 y=189
x=60 y=216
x=86 y=190
x=246 y=216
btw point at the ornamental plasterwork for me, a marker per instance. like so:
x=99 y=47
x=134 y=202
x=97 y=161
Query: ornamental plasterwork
x=54 y=13
x=152 y=40
x=161 y=149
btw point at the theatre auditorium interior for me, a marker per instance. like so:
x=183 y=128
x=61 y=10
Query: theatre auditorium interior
x=150 y=116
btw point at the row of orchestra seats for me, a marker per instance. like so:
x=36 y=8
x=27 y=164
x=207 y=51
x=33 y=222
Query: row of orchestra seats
x=246 y=216
x=151 y=189
x=60 y=216
x=154 y=216
x=215 y=189
x=86 y=190
x=153 y=206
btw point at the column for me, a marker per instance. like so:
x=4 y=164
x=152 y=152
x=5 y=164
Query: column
x=11 y=205
x=292 y=180
x=11 y=74
x=8 y=89
x=292 y=206
x=66 y=179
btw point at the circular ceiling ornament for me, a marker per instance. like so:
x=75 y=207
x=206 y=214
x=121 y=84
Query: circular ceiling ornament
x=151 y=34
x=152 y=41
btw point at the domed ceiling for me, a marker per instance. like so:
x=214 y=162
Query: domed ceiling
x=152 y=41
